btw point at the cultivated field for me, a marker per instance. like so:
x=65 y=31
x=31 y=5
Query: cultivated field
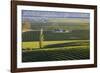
x=55 y=46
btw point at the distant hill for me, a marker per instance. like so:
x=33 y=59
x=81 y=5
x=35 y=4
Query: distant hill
x=57 y=23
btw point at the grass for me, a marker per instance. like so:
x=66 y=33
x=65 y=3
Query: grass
x=55 y=51
x=35 y=44
x=56 y=46
x=26 y=45
x=56 y=54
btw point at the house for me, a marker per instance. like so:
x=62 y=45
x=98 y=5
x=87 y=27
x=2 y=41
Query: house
x=61 y=31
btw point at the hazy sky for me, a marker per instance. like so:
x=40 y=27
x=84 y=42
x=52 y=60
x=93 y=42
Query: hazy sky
x=42 y=16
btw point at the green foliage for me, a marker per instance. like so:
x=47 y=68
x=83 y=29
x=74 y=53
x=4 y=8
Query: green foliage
x=41 y=38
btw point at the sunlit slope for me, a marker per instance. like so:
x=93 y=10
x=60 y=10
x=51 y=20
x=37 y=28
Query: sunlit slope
x=53 y=44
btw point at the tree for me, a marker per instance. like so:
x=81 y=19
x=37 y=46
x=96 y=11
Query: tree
x=26 y=26
x=41 y=38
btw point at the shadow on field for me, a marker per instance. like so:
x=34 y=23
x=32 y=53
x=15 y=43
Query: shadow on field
x=66 y=44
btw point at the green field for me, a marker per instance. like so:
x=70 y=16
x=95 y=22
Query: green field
x=56 y=46
x=55 y=50
x=35 y=44
x=52 y=36
x=72 y=53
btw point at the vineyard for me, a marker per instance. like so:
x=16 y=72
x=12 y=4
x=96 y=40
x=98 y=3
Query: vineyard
x=56 y=46
x=52 y=36
x=53 y=53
